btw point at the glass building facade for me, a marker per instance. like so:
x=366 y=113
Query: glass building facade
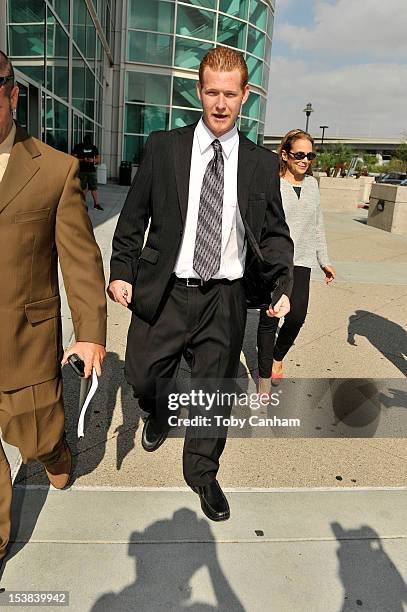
x=119 y=70
x=59 y=49
x=166 y=41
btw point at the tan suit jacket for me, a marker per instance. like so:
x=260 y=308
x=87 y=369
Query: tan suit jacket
x=42 y=217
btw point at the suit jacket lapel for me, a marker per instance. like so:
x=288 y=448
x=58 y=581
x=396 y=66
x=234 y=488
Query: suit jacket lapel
x=245 y=168
x=21 y=167
x=182 y=160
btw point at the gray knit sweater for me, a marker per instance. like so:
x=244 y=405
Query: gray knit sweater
x=304 y=218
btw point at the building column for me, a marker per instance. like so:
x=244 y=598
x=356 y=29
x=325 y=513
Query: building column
x=3 y=26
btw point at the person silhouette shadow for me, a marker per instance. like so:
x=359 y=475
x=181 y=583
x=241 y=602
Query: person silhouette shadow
x=370 y=579
x=389 y=338
x=165 y=564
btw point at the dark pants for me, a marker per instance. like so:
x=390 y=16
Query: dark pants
x=206 y=326
x=290 y=329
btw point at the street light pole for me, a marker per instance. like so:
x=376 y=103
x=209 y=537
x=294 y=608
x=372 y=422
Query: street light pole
x=323 y=128
x=308 y=110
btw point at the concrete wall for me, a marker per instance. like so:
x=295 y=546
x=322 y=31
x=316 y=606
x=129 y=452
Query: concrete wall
x=392 y=199
x=339 y=194
x=366 y=183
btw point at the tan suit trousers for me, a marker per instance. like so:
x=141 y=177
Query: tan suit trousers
x=32 y=419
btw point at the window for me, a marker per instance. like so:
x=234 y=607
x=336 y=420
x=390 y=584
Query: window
x=78 y=81
x=20 y=11
x=188 y=53
x=231 y=32
x=150 y=48
x=62 y=10
x=248 y=127
x=202 y=3
x=148 y=88
x=27 y=37
x=143 y=119
x=155 y=15
x=57 y=58
x=184 y=93
x=252 y=107
x=133 y=148
x=256 y=42
x=195 y=22
x=258 y=14
x=181 y=117
x=255 y=69
x=56 y=124
x=234 y=8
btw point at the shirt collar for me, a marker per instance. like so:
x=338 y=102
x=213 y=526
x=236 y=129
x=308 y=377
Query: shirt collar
x=7 y=144
x=205 y=138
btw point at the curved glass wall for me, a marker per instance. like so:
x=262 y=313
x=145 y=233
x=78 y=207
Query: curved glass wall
x=56 y=45
x=166 y=41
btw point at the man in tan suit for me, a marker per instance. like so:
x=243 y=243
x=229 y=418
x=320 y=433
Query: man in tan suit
x=42 y=218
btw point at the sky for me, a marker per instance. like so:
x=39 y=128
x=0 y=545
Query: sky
x=348 y=58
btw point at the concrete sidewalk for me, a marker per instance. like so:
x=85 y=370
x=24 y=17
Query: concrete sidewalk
x=283 y=551
x=339 y=547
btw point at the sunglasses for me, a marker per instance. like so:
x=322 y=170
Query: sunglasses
x=4 y=79
x=300 y=155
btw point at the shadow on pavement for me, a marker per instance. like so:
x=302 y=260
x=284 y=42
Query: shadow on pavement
x=165 y=564
x=88 y=452
x=26 y=508
x=370 y=579
x=389 y=338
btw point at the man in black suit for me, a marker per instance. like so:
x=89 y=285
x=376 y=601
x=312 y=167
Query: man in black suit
x=212 y=198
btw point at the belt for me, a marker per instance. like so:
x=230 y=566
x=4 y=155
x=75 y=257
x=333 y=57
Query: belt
x=198 y=282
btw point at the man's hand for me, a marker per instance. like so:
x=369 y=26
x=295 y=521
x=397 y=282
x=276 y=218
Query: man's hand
x=92 y=355
x=120 y=292
x=281 y=308
x=330 y=274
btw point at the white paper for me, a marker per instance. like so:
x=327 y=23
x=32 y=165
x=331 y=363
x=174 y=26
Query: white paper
x=91 y=393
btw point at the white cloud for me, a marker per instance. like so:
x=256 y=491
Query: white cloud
x=353 y=27
x=365 y=99
x=351 y=63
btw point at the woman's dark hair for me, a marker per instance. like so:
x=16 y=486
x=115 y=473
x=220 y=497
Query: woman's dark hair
x=287 y=143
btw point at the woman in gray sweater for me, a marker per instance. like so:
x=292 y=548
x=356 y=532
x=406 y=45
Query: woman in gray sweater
x=300 y=195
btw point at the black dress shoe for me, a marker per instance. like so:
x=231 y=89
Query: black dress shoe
x=153 y=435
x=213 y=501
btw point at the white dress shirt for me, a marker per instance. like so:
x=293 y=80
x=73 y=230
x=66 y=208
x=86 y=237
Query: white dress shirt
x=5 y=150
x=233 y=251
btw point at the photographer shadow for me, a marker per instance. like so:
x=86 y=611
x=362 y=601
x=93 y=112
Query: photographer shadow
x=370 y=579
x=389 y=338
x=165 y=563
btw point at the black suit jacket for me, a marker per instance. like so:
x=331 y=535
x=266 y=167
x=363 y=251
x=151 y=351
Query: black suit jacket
x=159 y=195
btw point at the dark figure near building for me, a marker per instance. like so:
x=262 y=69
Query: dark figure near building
x=88 y=156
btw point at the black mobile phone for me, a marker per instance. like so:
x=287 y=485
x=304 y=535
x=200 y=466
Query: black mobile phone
x=77 y=364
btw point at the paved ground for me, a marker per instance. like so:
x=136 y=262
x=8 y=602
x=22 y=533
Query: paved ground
x=356 y=330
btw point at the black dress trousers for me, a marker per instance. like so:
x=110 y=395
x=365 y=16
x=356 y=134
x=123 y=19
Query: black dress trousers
x=205 y=325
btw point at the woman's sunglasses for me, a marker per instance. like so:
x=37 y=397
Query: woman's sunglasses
x=300 y=155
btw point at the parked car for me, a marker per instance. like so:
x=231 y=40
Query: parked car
x=404 y=183
x=392 y=178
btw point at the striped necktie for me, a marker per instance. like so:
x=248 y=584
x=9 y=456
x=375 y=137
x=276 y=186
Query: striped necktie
x=208 y=241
